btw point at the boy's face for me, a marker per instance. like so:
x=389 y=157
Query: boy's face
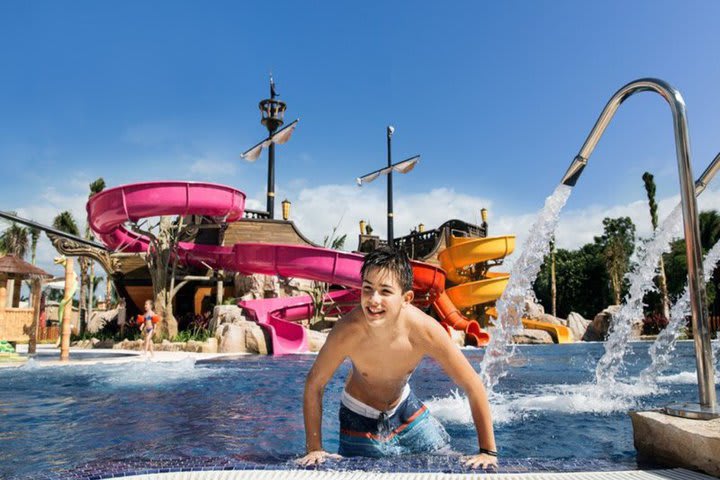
x=382 y=297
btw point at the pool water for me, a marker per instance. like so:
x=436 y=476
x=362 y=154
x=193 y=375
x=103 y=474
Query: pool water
x=82 y=421
x=50 y=355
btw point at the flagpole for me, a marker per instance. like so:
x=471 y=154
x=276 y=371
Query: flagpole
x=271 y=180
x=271 y=126
x=390 y=233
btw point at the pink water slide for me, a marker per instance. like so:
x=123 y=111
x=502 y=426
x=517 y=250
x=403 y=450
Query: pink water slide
x=109 y=211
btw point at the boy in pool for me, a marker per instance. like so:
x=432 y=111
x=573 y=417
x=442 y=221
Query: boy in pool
x=385 y=338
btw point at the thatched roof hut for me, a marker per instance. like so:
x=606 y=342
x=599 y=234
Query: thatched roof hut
x=14 y=267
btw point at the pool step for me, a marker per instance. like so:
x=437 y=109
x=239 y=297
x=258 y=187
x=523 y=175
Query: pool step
x=669 y=474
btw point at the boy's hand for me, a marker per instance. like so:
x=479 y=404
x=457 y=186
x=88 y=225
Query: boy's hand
x=317 y=457
x=481 y=460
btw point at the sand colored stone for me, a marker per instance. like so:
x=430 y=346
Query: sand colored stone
x=533 y=337
x=677 y=442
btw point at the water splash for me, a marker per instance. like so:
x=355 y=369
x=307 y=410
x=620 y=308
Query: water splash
x=661 y=351
x=641 y=281
x=682 y=378
x=455 y=409
x=511 y=304
x=570 y=399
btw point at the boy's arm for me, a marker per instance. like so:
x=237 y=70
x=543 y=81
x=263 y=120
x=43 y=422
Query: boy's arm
x=448 y=355
x=328 y=360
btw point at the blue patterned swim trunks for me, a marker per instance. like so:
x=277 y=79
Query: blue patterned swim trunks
x=407 y=428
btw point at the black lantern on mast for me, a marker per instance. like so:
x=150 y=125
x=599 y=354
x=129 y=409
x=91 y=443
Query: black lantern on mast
x=272 y=111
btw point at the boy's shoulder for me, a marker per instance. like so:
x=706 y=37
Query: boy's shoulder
x=424 y=329
x=419 y=319
x=349 y=324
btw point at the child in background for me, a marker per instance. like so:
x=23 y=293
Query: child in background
x=148 y=328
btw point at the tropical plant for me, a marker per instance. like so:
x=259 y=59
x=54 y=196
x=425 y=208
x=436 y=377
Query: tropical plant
x=14 y=241
x=66 y=223
x=709 y=228
x=34 y=238
x=333 y=242
x=197 y=330
x=553 y=278
x=87 y=265
x=582 y=281
x=649 y=182
x=676 y=261
x=583 y=278
x=318 y=290
x=618 y=243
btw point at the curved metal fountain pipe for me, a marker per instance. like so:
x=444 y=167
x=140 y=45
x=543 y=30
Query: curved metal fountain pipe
x=707 y=176
x=701 y=331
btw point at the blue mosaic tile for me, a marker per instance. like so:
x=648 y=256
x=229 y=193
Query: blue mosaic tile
x=117 y=468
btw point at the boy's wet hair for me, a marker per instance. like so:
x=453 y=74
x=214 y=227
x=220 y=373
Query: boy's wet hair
x=392 y=260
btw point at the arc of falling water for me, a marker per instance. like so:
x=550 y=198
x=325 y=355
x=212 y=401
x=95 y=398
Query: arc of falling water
x=662 y=348
x=641 y=281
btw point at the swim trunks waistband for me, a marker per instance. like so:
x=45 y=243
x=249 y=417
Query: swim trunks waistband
x=355 y=405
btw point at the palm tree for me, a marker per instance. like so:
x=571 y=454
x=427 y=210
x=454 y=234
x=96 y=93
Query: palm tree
x=617 y=244
x=649 y=181
x=709 y=228
x=34 y=237
x=553 y=280
x=66 y=223
x=14 y=241
x=95 y=187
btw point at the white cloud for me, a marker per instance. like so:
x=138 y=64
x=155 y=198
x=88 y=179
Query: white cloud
x=316 y=210
x=319 y=209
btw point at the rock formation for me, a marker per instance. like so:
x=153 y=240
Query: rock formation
x=598 y=329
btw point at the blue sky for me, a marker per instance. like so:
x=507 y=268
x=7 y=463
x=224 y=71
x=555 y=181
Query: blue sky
x=497 y=97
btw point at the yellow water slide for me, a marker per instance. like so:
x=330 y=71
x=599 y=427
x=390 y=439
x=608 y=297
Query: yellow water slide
x=559 y=333
x=464 y=252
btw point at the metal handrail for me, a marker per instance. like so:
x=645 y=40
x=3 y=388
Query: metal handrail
x=696 y=286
